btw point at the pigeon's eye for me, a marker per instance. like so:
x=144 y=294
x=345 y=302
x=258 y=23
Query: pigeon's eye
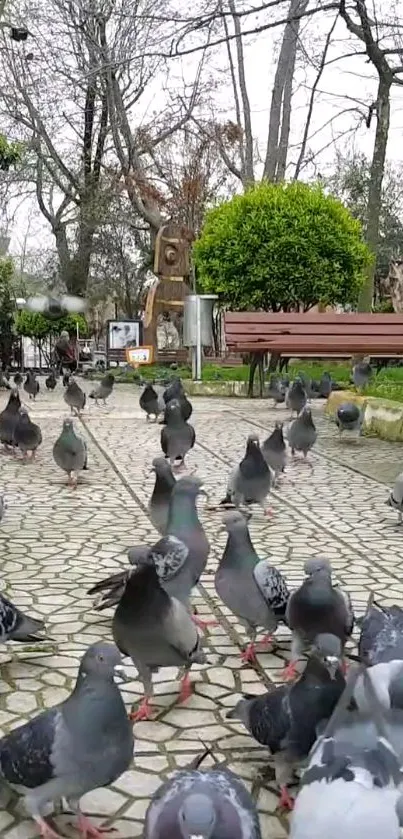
x=100 y=657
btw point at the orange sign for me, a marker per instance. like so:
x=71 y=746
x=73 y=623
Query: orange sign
x=136 y=356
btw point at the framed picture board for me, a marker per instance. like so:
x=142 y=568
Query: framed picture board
x=120 y=335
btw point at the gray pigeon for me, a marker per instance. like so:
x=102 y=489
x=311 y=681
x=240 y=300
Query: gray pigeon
x=18 y=380
x=70 y=452
x=325 y=385
x=285 y=719
x=51 y=381
x=9 y=419
x=387 y=682
x=302 y=433
x=155 y=630
x=27 y=435
x=151 y=402
x=381 y=636
x=362 y=373
x=254 y=590
x=349 y=417
x=174 y=390
x=250 y=481
x=16 y=626
x=275 y=390
x=274 y=451
x=296 y=396
x=184 y=404
x=82 y=744
x=211 y=804
x=350 y=787
x=158 y=507
x=3 y=507
x=74 y=396
x=395 y=499
x=317 y=607
x=31 y=386
x=104 y=389
x=177 y=436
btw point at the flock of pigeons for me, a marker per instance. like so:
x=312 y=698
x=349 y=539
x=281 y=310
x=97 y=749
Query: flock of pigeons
x=340 y=729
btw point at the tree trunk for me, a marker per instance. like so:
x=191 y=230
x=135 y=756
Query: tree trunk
x=375 y=188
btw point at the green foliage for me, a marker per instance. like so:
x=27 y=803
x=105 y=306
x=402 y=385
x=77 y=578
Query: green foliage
x=281 y=247
x=10 y=153
x=7 y=306
x=35 y=325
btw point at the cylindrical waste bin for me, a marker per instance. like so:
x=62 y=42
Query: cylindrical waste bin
x=206 y=320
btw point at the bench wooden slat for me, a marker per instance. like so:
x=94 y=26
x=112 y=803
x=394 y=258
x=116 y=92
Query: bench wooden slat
x=312 y=317
x=239 y=330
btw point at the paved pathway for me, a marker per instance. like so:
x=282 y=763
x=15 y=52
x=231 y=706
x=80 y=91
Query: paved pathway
x=55 y=543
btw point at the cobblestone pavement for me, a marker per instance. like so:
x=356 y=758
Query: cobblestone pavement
x=56 y=543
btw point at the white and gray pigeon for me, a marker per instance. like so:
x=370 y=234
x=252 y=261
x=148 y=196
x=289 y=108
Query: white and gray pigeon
x=17 y=626
x=387 y=682
x=151 y=402
x=31 y=385
x=9 y=419
x=362 y=373
x=27 y=434
x=177 y=436
x=209 y=804
x=155 y=630
x=285 y=719
x=381 y=637
x=274 y=451
x=74 y=396
x=250 y=481
x=302 y=433
x=351 y=785
x=104 y=389
x=70 y=452
x=349 y=417
x=158 y=506
x=317 y=606
x=296 y=396
x=82 y=744
x=254 y=590
x=395 y=499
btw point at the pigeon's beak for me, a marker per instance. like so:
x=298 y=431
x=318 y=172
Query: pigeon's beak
x=120 y=672
x=332 y=664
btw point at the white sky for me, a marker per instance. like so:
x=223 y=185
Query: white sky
x=342 y=83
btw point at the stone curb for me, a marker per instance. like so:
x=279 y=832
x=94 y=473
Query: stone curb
x=383 y=418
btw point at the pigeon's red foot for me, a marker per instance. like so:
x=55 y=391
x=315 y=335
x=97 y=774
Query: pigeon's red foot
x=89 y=831
x=289 y=672
x=201 y=624
x=268 y=512
x=186 y=688
x=248 y=655
x=267 y=641
x=286 y=802
x=344 y=667
x=144 y=711
x=47 y=831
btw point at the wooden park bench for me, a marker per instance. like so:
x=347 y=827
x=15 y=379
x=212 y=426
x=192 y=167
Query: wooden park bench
x=311 y=334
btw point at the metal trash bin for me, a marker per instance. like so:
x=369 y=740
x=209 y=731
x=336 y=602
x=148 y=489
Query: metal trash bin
x=206 y=320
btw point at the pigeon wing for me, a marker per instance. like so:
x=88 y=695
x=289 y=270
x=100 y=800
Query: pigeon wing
x=8 y=617
x=26 y=752
x=271 y=584
x=169 y=555
x=179 y=630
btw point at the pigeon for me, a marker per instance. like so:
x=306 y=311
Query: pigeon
x=158 y=507
x=381 y=636
x=325 y=385
x=104 y=389
x=55 y=306
x=285 y=719
x=184 y=404
x=275 y=390
x=316 y=607
x=66 y=379
x=387 y=681
x=362 y=373
x=296 y=397
x=177 y=436
x=70 y=452
x=254 y=590
x=151 y=402
x=349 y=417
x=395 y=499
x=27 y=435
x=31 y=386
x=274 y=451
x=4 y=385
x=18 y=380
x=302 y=433
x=155 y=630
x=82 y=744
x=9 y=418
x=51 y=381
x=74 y=396
x=174 y=390
x=3 y=507
x=16 y=626
x=251 y=479
x=210 y=804
x=350 y=786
